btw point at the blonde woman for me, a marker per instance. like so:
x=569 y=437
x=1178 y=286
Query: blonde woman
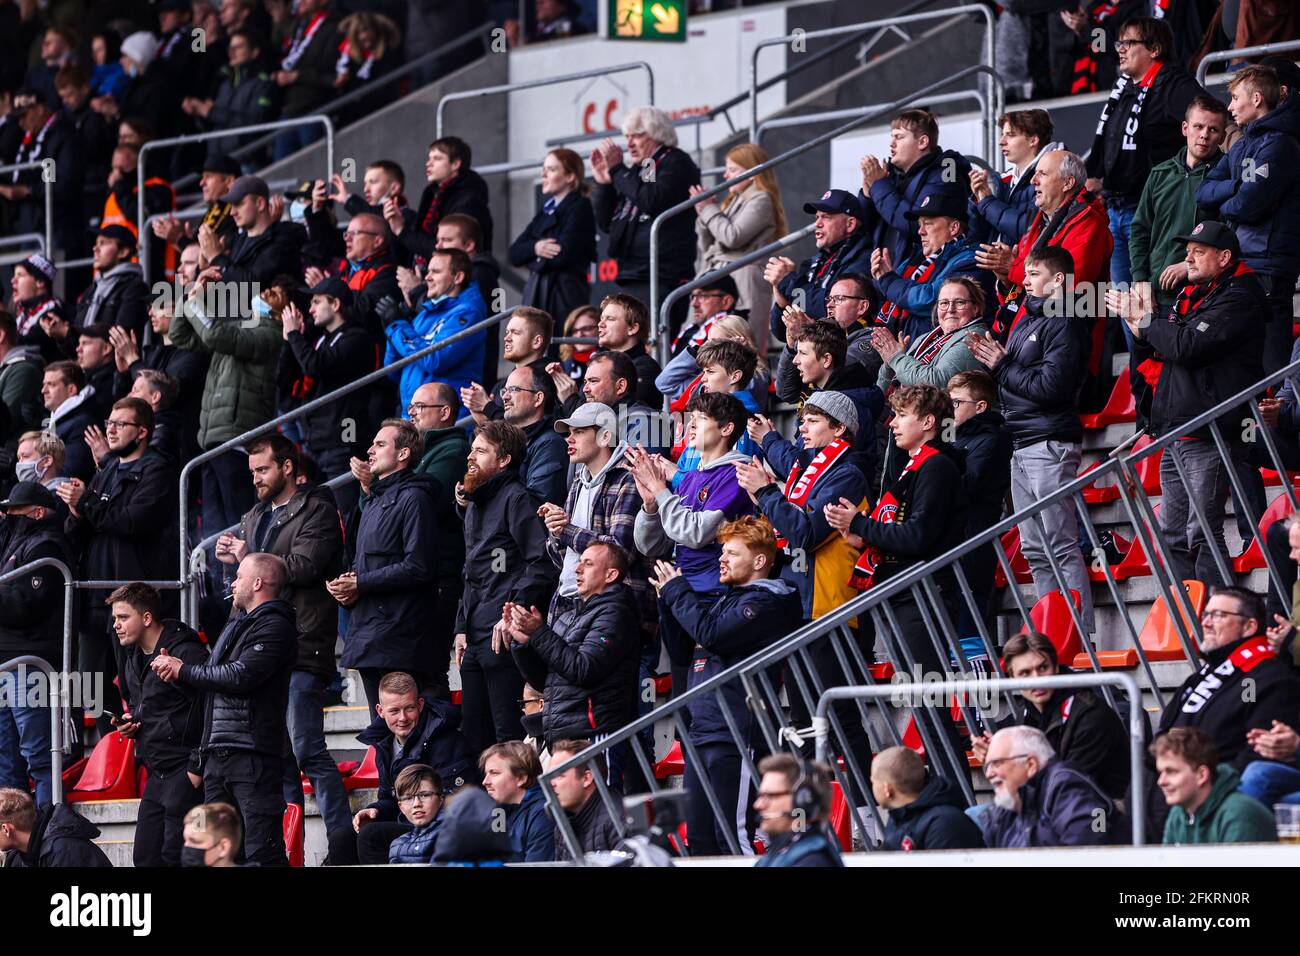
x=558 y=246
x=682 y=370
x=749 y=216
x=372 y=45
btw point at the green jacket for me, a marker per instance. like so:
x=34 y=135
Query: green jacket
x=20 y=388
x=1227 y=816
x=1167 y=209
x=239 y=393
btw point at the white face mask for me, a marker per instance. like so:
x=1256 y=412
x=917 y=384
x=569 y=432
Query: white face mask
x=132 y=71
x=298 y=210
x=261 y=308
x=28 y=470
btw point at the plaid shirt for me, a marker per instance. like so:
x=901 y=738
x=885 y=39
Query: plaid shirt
x=613 y=517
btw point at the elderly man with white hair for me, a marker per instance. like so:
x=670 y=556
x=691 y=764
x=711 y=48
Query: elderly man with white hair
x=1042 y=801
x=630 y=194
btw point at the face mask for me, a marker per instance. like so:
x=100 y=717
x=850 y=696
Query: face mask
x=193 y=856
x=298 y=210
x=533 y=725
x=132 y=71
x=261 y=308
x=28 y=470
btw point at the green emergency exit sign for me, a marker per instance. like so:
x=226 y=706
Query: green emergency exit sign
x=647 y=20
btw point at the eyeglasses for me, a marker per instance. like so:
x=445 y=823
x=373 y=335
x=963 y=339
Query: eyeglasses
x=1216 y=615
x=991 y=764
x=511 y=389
x=112 y=424
x=422 y=796
x=944 y=304
x=353 y=233
x=770 y=794
x=706 y=295
x=1122 y=45
x=585 y=331
x=837 y=299
x=958 y=402
x=416 y=407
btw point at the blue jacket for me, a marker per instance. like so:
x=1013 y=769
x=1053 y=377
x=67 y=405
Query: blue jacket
x=955 y=259
x=899 y=193
x=816 y=274
x=726 y=630
x=806 y=529
x=435 y=742
x=1059 y=806
x=935 y=820
x=459 y=364
x=809 y=848
x=530 y=828
x=416 y=845
x=1256 y=190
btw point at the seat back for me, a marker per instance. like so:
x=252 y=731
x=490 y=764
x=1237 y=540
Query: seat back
x=293 y=834
x=109 y=773
x=840 y=818
x=1159 y=637
x=1051 y=616
x=366 y=775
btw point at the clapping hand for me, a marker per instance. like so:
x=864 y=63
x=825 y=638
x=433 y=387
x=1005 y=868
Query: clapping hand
x=664 y=572
x=987 y=350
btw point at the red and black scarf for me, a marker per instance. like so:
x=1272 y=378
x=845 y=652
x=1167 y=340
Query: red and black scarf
x=889 y=508
x=432 y=216
x=1084 y=79
x=799 y=484
x=891 y=313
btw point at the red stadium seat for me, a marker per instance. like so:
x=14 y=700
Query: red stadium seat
x=1159 y=636
x=673 y=765
x=294 y=836
x=841 y=821
x=663 y=684
x=1147 y=471
x=109 y=773
x=365 y=776
x=1120 y=407
x=1051 y=616
x=1272 y=478
x=1252 y=558
x=1019 y=566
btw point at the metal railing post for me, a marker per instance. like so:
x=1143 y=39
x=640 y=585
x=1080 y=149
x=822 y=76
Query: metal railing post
x=140 y=215
x=1136 y=724
x=1223 y=56
x=48 y=197
x=15 y=664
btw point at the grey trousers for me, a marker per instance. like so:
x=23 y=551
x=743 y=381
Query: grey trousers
x=1208 y=482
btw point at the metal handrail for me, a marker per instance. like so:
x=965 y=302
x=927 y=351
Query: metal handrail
x=784 y=122
x=48 y=197
x=816 y=141
x=240 y=440
x=57 y=707
x=220 y=134
x=23 y=237
x=854 y=28
x=546 y=81
x=347 y=99
x=1223 y=56
x=1136 y=722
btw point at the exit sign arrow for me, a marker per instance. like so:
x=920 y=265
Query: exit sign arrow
x=667 y=20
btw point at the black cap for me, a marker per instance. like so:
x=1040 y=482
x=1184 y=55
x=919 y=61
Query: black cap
x=25 y=98
x=334 y=287
x=246 y=186
x=302 y=191
x=221 y=164
x=724 y=284
x=1286 y=70
x=29 y=493
x=95 y=330
x=123 y=236
x=940 y=203
x=836 y=200
x=1216 y=234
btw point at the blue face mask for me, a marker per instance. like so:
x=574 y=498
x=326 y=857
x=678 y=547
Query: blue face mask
x=298 y=210
x=261 y=308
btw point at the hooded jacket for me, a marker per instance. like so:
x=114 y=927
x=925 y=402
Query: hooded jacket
x=898 y=193
x=466 y=194
x=333 y=360
x=118 y=297
x=261 y=258
x=545 y=468
x=170 y=715
x=62 y=837
x=853 y=380
x=445 y=450
x=1042 y=375
x=1226 y=816
x=307 y=534
x=722 y=631
x=501 y=520
x=396 y=545
x=1256 y=190
x=435 y=742
x=457 y=364
x=471 y=832
x=935 y=820
x=587 y=660
x=626 y=207
x=245 y=684
x=31 y=607
x=1059 y=806
x=69 y=422
x=531 y=832
x=811 y=847
x=986 y=478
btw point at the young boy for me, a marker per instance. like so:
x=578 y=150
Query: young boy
x=1040 y=374
x=419 y=793
x=726 y=368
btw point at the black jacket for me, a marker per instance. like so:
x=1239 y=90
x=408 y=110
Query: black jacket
x=62 y=146
x=647 y=370
x=627 y=206
x=560 y=284
x=436 y=742
x=262 y=257
x=593 y=826
x=245 y=97
x=545 y=468
x=151 y=97
x=125 y=527
x=62 y=837
x=335 y=359
x=721 y=631
x=170 y=715
x=125 y=303
x=307 y=534
x=587 y=660
x=1040 y=378
x=190 y=369
x=246 y=682
x=396 y=551
x=502 y=530
x=935 y=820
x=986 y=478
x=466 y=194
x=31 y=608
x=1211 y=353
x=315 y=68
x=71 y=429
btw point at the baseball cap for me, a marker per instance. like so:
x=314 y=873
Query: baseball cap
x=222 y=164
x=836 y=200
x=29 y=493
x=334 y=287
x=724 y=284
x=123 y=236
x=589 y=415
x=246 y=186
x=939 y=203
x=1216 y=234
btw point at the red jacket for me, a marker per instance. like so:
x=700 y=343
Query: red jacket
x=1086 y=236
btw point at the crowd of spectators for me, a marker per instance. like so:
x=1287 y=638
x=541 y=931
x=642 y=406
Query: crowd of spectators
x=549 y=536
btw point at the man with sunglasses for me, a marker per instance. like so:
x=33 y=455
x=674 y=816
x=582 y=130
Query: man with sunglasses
x=1241 y=685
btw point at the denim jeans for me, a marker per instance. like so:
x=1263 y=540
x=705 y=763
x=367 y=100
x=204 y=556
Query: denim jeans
x=1270 y=782
x=1121 y=220
x=306 y=720
x=1037 y=471
x=24 y=738
x=1208 y=483
x=294 y=139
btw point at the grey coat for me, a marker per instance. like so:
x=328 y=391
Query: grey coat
x=727 y=234
x=906 y=369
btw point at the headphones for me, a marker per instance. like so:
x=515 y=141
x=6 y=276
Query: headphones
x=804 y=794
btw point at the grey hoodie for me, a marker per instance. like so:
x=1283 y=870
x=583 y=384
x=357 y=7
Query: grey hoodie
x=589 y=486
